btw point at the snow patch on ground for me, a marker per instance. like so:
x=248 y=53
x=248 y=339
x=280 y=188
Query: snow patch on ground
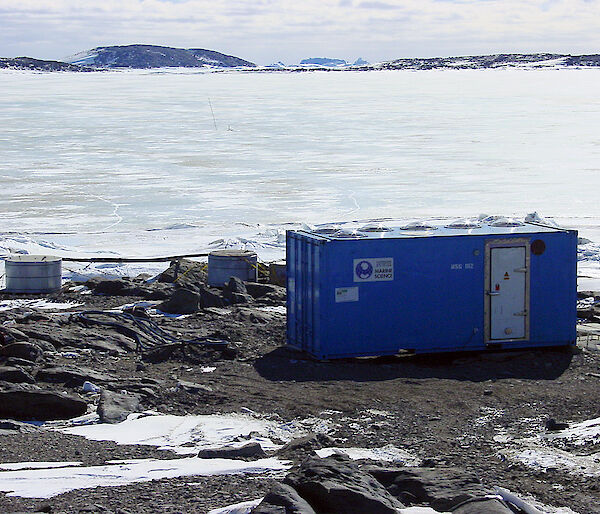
x=237 y=508
x=550 y=450
x=182 y=434
x=48 y=482
x=246 y=508
x=586 y=432
x=42 y=304
x=37 y=465
x=388 y=453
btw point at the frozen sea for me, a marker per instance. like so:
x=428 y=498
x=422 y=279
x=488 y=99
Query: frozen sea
x=161 y=162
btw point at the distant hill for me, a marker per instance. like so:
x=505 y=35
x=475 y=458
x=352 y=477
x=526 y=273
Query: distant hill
x=493 y=61
x=151 y=56
x=28 y=63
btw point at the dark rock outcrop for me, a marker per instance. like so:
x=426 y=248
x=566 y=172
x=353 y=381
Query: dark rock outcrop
x=22 y=350
x=115 y=407
x=193 y=387
x=209 y=298
x=258 y=290
x=128 y=287
x=250 y=450
x=283 y=499
x=184 y=272
x=39 y=405
x=17 y=375
x=336 y=484
x=305 y=445
x=71 y=376
x=182 y=301
x=235 y=292
x=483 y=506
x=441 y=488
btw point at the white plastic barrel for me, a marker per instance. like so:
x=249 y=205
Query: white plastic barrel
x=223 y=264
x=33 y=273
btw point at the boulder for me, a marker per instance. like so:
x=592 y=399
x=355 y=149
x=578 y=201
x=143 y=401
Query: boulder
x=11 y=332
x=249 y=450
x=157 y=291
x=161 y=354
x=283 y=499
x=12 y=374
x=127 y=287
x=209 y=298
x=5 y=337
x=275 y=298
x=8 y=427
x=305 y=445
x=22 y=350
x=235 y=292
x=115 y=407
x=40 y=405
x=483 y=506
x=72 y=376
x=182 y=301
x=45 y=346
x=258 y=290
x=16 y=361
x=336 y=484
x=110 y=287
x=193 y=387
x=45 y=332
x=184 y=272
x=553 y=426
x=441 y=488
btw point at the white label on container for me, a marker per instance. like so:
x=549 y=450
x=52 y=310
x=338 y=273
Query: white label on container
x=374 y=270
x=346 y=294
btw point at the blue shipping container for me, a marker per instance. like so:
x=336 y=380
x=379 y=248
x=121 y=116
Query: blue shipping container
x=421 y=288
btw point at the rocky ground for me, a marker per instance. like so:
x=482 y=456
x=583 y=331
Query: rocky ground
x=455 y=413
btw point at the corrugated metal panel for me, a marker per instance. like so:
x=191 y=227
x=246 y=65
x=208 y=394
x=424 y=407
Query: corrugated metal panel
x=303 y=276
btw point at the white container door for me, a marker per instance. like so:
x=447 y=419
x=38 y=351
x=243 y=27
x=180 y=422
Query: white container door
x=508 y=293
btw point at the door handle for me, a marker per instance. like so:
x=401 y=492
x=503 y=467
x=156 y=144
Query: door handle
x=493 y=293
x=520 y=270
x=522 y=313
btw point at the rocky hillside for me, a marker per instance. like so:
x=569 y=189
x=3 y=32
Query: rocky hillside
x=150 y=56
x=493 y=61
x=28 y=63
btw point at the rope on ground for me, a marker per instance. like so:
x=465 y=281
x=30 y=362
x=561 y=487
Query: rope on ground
x=146 y=334
x=134 y=259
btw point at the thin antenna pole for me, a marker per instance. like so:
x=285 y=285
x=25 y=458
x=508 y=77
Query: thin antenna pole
x=213 y=113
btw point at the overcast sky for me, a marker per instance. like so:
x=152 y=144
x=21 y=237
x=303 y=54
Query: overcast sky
x=266 y=31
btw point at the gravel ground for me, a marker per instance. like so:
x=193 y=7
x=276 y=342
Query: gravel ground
x=445 y=408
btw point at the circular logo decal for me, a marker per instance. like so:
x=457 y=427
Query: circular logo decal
x=364 y=270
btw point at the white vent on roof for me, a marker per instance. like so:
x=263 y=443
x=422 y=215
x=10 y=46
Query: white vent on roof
x=506 y=222
x=418 y=225
x=327 y=230
x=463 y=223
x=348 y=234
x=374 y=227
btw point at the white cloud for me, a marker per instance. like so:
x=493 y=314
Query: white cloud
x=269 y=30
